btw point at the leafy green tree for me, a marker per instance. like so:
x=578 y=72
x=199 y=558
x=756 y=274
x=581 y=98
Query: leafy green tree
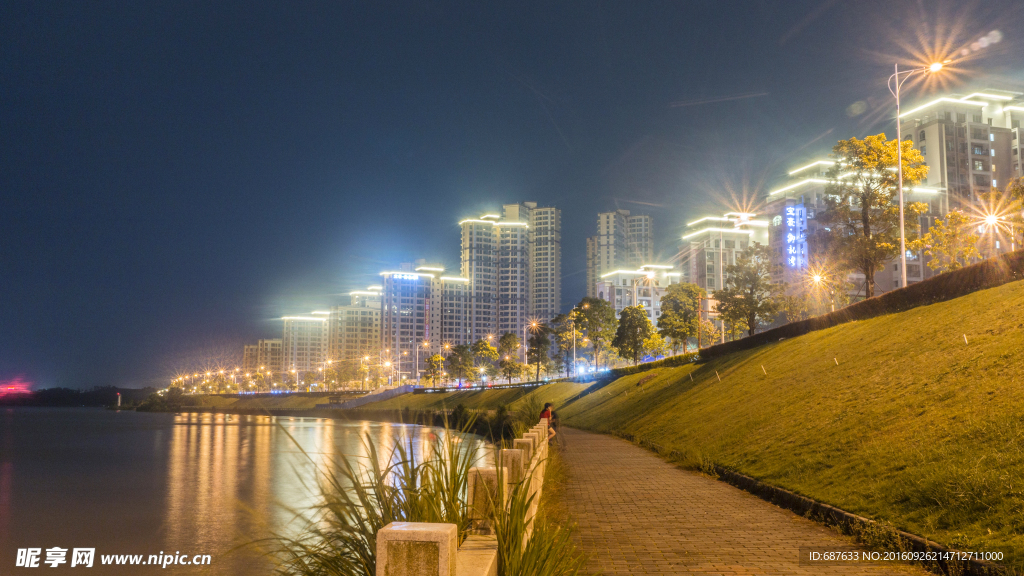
x=680 y=313
x=862 y=213
x=950 y=243
x=655 y=345
x=750 y=297
x=537 y=353
x=510 y=367
x=598 y=322
x=508 y=345
x=435 y=368
x=484 y=352
x=634 y=329
x=460 y=362
x=709 y=333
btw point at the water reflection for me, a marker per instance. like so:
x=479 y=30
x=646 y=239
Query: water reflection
x=133 y=483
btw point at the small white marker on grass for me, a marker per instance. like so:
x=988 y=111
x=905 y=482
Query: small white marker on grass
x=965 y=338
x=763 y=370
x=719 y=377
x=837 y=361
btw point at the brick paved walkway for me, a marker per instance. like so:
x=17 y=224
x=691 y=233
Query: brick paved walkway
x=638 y=514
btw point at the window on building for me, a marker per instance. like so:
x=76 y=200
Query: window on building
x=920 y=136
x=979 y=165
x=924 y=150
x=961 y=118
x=976 y=118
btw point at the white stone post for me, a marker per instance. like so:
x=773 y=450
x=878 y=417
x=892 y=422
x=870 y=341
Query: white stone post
x=417 y=549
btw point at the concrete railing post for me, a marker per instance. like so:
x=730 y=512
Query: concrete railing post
x=512 y=460
x=526 y=446
x=487 y=487
x=417 y=549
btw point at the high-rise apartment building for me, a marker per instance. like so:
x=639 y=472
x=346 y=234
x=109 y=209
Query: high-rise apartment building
x=304 y=343
x=971 y=143
x=513 y=265
x=250 y=361
x=622 y=241
x=353 y=331
x=423 y=312
x=269 y=355
x=545 y=262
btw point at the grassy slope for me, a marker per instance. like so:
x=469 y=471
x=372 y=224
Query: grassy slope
x=913 y=425
x=556 y=393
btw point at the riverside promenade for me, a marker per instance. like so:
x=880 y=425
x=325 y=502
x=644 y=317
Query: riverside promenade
x=638 y=514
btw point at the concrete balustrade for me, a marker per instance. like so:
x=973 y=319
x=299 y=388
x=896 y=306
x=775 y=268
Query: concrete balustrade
x=417 y=549
x=421 y=549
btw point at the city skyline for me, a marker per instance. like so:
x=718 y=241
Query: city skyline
x=162 y=212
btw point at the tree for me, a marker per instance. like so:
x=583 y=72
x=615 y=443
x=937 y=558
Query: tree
x=508 y=345
x=655 y=345
x=862 y=213
x=680 y=313
x=597 y=318
x=750 y=297
x=460 y=362
x=537 y=353
x=483 y=351
x=634 y=329
x=566 y=329
x=950 y=242
x=510 y=367
x=709 y=333
x=435 y=368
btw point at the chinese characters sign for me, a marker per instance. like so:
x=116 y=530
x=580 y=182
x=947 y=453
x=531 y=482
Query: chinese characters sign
x=795 y=239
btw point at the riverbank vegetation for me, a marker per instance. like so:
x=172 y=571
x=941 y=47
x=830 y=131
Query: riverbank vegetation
x=411 y=484
x=912 y=418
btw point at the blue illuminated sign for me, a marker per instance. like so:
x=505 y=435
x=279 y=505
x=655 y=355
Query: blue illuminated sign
x=796 y=236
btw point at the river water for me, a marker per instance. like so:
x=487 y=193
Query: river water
x=128 y=483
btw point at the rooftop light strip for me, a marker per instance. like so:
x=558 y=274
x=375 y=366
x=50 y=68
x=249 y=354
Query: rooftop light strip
x=454 y=279
x=1018 y=108
x=429 y=269
x=662 y=266
x=303 y=318
x=730 y=230
x=984 y=95
x=417 y=274
x=941 y=100
x=720 y=218
x=811 y=165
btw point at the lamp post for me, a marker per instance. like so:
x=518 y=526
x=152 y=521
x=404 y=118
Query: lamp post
x=894 y=85
x=532 y=326
x=425 y=344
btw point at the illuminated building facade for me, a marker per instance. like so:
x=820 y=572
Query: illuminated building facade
x=623 y=241
x=304 y=343
x=513 y=263
x=644 y=286
x=711 y=244
x=353 y=331
x=269 y=354
x=423 y=312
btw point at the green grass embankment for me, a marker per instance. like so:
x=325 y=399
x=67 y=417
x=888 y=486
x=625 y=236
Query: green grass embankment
x=897 y=418
x=490 y=399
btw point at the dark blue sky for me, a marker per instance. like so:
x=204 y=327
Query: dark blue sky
x=174 y=176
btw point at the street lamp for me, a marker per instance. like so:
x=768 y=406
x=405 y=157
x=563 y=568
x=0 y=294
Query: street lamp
x=894 y=85
x=820 y=281
x=532 y=326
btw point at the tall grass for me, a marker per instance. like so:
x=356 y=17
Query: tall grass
x=549 y=551
x=357 y=500
x=340 y=536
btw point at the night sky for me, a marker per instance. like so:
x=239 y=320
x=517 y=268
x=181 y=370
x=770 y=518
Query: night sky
x=176 y=175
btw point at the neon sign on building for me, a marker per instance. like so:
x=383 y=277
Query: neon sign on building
x=796 y=236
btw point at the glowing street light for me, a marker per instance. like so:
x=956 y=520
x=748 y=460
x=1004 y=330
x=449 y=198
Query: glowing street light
x=894 y=85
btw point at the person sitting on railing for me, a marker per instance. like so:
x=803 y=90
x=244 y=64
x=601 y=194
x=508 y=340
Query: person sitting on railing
x=547 y=413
